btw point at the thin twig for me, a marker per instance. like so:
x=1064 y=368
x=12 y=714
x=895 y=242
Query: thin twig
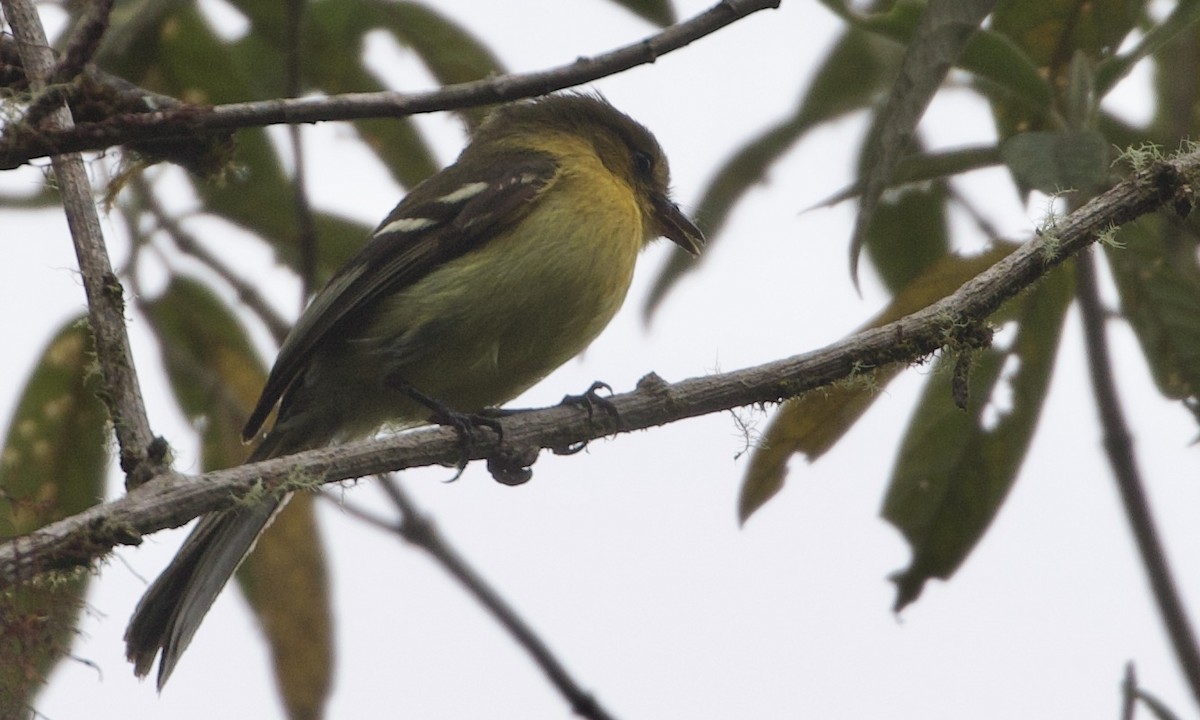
x=105 y=296
x=1129 y=692
x=187 y=243
x=416 y=529
x=190 y=120
x=1119 y=447
x=174 y=499
x=419 y=530
x=84 y=42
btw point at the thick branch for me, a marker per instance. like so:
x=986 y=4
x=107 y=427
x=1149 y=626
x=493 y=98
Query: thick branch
x=190 y=120
x=174 y=499
x=106 y=303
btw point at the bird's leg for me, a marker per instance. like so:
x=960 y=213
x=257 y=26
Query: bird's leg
x=590 y=399
x=443 y=414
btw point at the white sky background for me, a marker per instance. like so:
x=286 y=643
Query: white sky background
x=627 y=559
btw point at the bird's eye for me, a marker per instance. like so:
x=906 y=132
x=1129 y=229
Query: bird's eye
x=643 y=163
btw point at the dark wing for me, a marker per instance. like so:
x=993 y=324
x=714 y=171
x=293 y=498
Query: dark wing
x=445 y=217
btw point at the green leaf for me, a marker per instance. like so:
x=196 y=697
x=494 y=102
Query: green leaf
x=54 y=464
x=1175 y=86
x=1112 y=70
x=659 y=12
x=993 y=58
x=451 y=53
x=1051 y=31
x=956 y=467
x=940 y=37
x=1053 y=35
x=908 y=232
x=286 y=583
x=1158 y=278
x=335 y=26
x=926 y=166
x=1055 y=161
x=852 y=75
x=811 y=424
x=213 y=369
x=216 y=377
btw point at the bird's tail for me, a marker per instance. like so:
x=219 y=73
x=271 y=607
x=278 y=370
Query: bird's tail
x=169 y=613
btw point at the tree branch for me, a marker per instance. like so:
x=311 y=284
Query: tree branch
x=174 y=499
x=1119 y=447
x=417 y=529
x=19 y=148
x=105 y=296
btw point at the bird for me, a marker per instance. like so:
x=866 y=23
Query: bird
x=486 y=277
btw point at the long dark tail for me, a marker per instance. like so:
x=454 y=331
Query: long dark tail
x=169 y=613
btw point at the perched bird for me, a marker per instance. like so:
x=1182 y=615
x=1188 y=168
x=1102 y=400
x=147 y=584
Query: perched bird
x=485 y=278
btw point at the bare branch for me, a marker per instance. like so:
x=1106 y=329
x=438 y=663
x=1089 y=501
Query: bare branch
x=417 y=529
x=105 y=296
x=173 y=499
x=20 y=148
x=1119 y=446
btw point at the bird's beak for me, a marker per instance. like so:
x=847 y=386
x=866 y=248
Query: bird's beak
x=674 y=225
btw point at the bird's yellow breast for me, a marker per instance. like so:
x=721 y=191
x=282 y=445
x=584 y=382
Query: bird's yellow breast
x=504 y=316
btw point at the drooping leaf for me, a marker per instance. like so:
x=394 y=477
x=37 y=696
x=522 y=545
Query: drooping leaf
x=1158 y=278
x=213 y=369
x=939 y=39
x=811 y=424
x=851 y=76
x=216 y=377
x=337 y=31
x=956 y=467
x=54 y=463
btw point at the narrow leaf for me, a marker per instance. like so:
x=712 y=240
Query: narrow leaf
x=659 y=12
x=811 y=424
x=450 y=51
x=1113 y=69
x=926 y=166
x=1056 y=161
x=956 y=467
x=1054 y=35
x=53 y=465
x=939 y=39
x=993 y=58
